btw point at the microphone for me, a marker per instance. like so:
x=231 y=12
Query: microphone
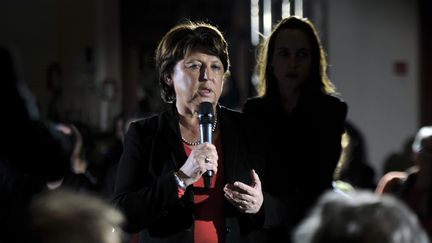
x=205 y=119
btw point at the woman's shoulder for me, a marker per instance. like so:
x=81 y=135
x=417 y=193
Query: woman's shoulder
x=333 y=99
x=256 y=100
x=144 y=121
x=389 y=182
x=255 y=104
x=230 y=113
x=145 y=130
x=148 y=125
x=334 y=102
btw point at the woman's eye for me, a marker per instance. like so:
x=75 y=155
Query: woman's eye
x=302 y=54
x=216 y=67
x=193 y=66
x=283 y=53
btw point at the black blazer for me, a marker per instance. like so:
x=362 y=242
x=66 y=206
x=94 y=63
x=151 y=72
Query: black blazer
x=146 y=191
x=298 y=152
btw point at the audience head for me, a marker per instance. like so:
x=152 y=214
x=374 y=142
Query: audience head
x=294 y=39
x=182 y=40
x=62 y=216
x=422 y=140
x=362 y=217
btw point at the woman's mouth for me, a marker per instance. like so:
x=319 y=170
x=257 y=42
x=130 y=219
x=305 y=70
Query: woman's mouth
x=205 y=92
x=291 y=75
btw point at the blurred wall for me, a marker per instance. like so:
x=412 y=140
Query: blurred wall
x=373 y=53
x=70 y=52
x=29 y=27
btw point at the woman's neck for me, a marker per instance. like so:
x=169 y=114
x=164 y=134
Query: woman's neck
x=189 y=126
x=188 y=121
x=289 y=100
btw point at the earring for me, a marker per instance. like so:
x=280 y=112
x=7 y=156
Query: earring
x=168 y=81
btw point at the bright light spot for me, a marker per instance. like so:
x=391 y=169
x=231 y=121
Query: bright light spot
x=286 y=8
x=267 y=18
x=298 y=8
x=254 y=22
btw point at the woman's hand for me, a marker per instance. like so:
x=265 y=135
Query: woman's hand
x=203 y=157
x=248 y=199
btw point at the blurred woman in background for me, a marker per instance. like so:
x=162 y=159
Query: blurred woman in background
x=297 y=105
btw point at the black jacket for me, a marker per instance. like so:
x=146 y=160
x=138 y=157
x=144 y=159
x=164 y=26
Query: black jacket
x=146 y=191
x=298 y=152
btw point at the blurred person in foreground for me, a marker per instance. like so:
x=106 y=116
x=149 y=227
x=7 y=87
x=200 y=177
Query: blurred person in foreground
x=414 y=186
x=297 y=121
x=32 y=152
x=68 y=217
x=361 y=217
x=159 y=185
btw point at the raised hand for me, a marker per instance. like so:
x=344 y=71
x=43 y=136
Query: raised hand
x=246 y=198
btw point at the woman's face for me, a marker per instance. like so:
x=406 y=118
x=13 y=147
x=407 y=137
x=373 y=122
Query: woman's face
x=197 y=78
x=291 y=61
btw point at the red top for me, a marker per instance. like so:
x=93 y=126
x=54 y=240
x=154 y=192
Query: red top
x=209 y=218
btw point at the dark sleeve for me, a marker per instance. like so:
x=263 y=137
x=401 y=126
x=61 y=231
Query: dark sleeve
x=330 y=146
x=324 y=159
x=141 y=195
x=271 y=214
x=273 y=210
x=268 y=224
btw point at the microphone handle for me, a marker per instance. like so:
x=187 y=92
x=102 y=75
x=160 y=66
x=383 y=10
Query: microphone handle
x=206 y=135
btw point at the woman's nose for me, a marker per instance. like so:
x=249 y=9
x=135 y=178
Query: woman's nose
x=204 y=74
x=292 y=61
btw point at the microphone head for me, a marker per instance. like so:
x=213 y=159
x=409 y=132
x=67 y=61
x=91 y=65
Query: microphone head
x=205 y=113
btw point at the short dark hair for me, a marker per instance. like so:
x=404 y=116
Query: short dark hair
x=319 y=81
x=181 y=40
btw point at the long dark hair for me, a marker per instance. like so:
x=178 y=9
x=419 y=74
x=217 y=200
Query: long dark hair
x=319 y=81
